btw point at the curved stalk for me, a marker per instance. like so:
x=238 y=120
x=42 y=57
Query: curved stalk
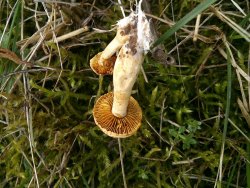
x=126 y=70
x=119 y=40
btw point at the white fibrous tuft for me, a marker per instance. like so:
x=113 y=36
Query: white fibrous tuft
x=126 y=21
x=144 y=35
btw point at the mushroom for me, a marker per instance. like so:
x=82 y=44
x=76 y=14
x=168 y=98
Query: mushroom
x=107 y=66
x=114 y=126
x=129 y=61
x=103 y=62
x=118 y=114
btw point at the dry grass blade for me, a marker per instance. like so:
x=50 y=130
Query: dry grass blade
x=72 y=34
x=238 y=129
x=122 y=165
x=37 y=35
x=244 y=33
x=234 y=64
x=244 y=111
x=5 y=53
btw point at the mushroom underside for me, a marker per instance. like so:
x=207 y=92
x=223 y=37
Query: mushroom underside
x=107 y=67
x=112 y=125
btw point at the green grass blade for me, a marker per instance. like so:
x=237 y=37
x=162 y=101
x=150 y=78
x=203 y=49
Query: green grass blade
x=233 y=172
x=242 y=23
x=16 y=18
x=228 y=102
x=197 y=10
x=9 y=42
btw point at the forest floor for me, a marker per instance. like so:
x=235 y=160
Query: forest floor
x=194 y=92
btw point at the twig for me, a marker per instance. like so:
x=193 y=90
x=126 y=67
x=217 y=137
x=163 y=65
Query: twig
x=188 y=161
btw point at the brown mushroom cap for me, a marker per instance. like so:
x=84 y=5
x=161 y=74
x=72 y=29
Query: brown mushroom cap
x=112 y=125
x=106 y=68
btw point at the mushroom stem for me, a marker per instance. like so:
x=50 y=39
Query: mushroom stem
x=126 y=70
x=114 y=45
x=129 y=60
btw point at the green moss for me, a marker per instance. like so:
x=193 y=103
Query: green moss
x=184 y=105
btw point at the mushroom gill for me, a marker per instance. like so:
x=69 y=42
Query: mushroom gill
x=112 y=125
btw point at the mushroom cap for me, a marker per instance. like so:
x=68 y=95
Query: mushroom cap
x=106 y=68
x=112 y=125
